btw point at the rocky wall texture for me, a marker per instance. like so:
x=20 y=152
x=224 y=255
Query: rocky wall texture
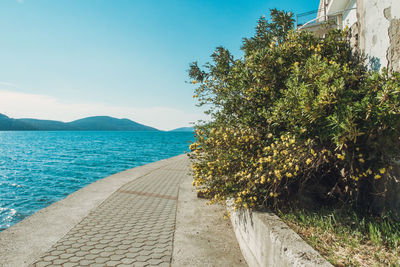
x=379 y=32
x=393 y=53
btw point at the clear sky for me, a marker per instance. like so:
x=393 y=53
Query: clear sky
x=68 y=59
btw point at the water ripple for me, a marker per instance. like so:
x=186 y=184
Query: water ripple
x=39 y=168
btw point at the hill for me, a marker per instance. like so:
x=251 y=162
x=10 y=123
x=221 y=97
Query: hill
x=46 y=125
x=7 y=124
x=96 y=123
x=105 y=123
x=183 y=129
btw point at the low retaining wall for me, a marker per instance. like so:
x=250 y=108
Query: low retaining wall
x=265 y=240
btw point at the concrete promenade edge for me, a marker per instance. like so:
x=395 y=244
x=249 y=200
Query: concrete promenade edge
x=127 y=219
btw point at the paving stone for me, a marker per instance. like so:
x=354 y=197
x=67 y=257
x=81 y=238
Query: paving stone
x=133 y=227
x=106 y=253
x=141 y=264
x=117 y=257
x=81 y=253
x=154 y=261
x=121 y=251
x=142 y=258
x=112 y=263
x=70 y=264
x=156 y=255
x=127 y=261
x=72 y=250
x=42 y=264
x=134 y=251
x=66 y=256
x=146 y=252
x=102 y=259
x=59 y=261
x=86 y=262
x=56 y=252
x=50 y=258
x=166 y=258
x=110 y=249
x=164 y=264
x=75 y=259
x=91 y=256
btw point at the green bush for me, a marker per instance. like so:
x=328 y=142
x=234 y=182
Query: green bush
x=296 y=114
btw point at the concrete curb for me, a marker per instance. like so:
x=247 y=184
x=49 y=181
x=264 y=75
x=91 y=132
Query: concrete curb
x=265 y=240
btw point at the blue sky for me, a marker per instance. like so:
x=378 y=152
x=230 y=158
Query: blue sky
x=68 y=59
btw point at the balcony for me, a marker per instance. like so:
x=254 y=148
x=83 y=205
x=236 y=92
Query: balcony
x=321 y=21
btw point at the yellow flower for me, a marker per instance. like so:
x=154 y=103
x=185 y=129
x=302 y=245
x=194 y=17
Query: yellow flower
x=270 y=135
x=383 y=170
x=377 y=176
x=361 y=160
x=339 y=156
x=308 y=161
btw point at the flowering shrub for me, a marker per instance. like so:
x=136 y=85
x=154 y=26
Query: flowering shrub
x=295 y=114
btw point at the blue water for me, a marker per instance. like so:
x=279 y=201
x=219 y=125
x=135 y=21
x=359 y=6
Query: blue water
x=39 y=168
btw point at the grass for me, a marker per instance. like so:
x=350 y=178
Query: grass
x=346 y=238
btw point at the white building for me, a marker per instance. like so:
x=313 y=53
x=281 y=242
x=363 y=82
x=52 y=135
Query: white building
x=374 y=24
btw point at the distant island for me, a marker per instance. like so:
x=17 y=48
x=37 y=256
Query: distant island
x=183 y=129
x=96 y=123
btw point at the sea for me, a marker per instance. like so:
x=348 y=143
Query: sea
x=39 y=168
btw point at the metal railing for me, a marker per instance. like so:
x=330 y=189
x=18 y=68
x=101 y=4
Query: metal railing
x=306 y=17
x=323 y=18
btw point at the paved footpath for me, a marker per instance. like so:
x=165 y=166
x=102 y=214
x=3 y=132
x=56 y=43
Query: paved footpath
x=135 y=226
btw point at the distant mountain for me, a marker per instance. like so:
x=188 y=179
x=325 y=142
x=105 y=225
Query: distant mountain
x=183 y=129
x=46 y=125
x=97 y=123
x=7 y=124
x=105 y=123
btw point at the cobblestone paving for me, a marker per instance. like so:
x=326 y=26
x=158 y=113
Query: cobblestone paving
x=133 y=227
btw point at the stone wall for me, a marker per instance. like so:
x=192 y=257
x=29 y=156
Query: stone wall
x=379 y=32
x=379 y=38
